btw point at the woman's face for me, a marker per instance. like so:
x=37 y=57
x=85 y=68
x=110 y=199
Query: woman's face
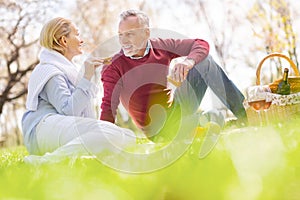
x=133 y=37
x=73 y=43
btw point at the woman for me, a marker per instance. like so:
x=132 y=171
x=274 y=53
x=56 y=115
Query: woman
x=59 y=116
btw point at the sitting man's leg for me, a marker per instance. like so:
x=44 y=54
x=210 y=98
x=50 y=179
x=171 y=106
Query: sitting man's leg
x=213 y=121
x=209 y=74
x=188 y=96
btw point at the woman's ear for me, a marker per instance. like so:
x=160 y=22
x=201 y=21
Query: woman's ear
x=63 y=41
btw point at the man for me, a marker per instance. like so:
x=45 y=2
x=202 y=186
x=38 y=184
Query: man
x=137 y=77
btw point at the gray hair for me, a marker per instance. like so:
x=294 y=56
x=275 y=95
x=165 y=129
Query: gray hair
x=142 y=17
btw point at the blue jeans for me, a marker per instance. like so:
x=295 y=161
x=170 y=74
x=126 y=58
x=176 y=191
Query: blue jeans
x=205 y=74
x=187 y=99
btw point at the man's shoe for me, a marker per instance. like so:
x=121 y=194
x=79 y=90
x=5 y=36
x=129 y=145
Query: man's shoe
x=210 y=140
x=238 y=123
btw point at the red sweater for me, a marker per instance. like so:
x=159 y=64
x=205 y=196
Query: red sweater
x=141 y=83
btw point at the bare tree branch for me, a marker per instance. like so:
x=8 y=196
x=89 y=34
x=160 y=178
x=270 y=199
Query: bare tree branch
x=15 y=36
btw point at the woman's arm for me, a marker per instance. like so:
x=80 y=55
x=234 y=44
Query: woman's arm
x=67 y=99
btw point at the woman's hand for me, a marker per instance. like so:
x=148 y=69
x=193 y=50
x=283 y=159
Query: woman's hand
x=92 y=63
x=181 y=70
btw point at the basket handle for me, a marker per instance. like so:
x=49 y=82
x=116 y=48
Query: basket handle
x=274 y=55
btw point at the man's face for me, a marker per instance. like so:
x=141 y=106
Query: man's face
x=133 y=37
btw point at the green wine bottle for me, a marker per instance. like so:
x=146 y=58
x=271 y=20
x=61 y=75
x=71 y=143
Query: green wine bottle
x=283 y=86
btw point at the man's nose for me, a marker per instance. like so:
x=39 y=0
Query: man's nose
x=123 y=39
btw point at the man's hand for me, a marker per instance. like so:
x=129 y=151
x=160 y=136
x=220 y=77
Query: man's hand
x=181 y=70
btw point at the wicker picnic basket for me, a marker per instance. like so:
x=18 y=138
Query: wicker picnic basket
x=283 y=107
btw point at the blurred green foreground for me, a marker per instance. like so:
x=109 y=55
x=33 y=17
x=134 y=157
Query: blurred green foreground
x=253 y=163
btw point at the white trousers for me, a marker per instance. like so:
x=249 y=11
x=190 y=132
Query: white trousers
x=68 y=135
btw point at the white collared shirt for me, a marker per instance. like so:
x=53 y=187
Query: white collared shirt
x=148 y=47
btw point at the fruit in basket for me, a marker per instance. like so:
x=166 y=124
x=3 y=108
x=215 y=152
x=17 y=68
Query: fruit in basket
x=260 y=104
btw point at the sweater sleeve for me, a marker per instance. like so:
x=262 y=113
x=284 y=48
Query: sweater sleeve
x=196 y=49
x=199 y=50
x=111 y=97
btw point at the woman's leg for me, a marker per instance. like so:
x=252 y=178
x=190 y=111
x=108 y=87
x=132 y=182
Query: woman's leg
x=56 y=131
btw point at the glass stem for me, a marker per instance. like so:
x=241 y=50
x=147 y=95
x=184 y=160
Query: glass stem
x=267 y=118
x=260 y=118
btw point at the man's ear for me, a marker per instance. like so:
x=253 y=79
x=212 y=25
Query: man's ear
x=147 y=30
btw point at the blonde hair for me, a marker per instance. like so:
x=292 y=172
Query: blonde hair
x=53 y=31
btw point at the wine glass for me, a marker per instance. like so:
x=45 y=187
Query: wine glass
x=258 y=99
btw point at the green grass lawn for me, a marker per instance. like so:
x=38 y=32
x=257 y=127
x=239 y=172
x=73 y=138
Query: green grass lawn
x=247 y=164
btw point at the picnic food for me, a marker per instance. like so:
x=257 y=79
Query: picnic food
x=176 y=83
x=107 y=61
x=283 y=106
